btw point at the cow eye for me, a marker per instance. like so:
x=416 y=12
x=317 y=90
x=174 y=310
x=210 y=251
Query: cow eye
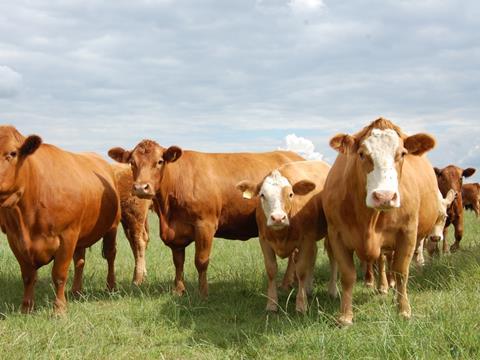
x=290 y=195
x=404 y=153
x=13 y=154
x=362 y=155
x=262 y=196
x=160 y=162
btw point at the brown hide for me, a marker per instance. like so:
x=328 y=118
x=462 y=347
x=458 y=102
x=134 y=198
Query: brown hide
x=451 y=177
x=471 y=197
x=355 y=228
x=134 y=219
x=196 y=198
x=57 y=203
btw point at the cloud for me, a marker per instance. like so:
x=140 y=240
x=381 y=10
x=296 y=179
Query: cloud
x=10 y=82
x=302 y=6
x=302 y=146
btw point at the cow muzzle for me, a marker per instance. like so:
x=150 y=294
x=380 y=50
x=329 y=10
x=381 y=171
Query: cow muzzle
x=278 y=220
x=143 y=190
x=384 y=200
x=435 y=238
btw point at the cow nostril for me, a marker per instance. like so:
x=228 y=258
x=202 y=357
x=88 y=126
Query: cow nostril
x=394 y=197
x=284 y=217
x=146 y=187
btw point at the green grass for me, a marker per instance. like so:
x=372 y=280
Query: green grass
x=150 y=322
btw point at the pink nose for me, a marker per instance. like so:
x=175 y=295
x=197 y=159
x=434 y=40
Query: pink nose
x=278 y=217
x=140 y=189
x=384 y=197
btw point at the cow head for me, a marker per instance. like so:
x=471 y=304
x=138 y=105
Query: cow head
x=378 y=153
x=451 y=177
x=14 y=150
x=276 y=196
x=147 y=160
x=443 y=203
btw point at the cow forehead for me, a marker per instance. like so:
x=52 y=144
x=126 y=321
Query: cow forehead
x=274 y=180
x=382 y=143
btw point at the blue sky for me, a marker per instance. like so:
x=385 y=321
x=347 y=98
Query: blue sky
x=241 y=75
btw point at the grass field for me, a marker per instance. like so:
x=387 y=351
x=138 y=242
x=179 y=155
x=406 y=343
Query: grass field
x=150 y=322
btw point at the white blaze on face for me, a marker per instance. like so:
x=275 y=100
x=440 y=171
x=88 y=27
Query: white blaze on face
x=271 y=198
x=443 y=204
x=382 y=146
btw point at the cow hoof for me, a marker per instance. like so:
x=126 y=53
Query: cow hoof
x=406 y=314
x=344 y=321
x=271 y=307
x=369 y=285
x=179 y=291
x=285 y=287
x=383 y=291
x=27 y=308
x=455 y=246
x=332 y=292
x=301 y=309
x=77 y=293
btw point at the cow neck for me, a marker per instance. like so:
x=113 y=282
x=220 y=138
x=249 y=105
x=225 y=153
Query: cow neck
x=365 y=218
x=21 y=212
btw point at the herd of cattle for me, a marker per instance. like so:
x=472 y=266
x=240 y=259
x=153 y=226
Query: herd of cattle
x=381 y=200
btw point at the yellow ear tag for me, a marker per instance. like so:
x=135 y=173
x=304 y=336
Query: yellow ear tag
x=247 y=194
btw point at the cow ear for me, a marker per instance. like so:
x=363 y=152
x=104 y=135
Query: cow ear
x=344 y=143
x=303 y=187
x=172 y=154
x=248 y=189
x=437 y=171
x=120 y=155
x=30 y=145
x=468 y=172
x=419 y=144
x=451 y=195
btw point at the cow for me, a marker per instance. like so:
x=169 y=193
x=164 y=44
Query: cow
x=380 y=195
x=451 y=177
x=196 y=198
x=134 y=219
x=53 y=205
x=290 y=221
x=471 y=197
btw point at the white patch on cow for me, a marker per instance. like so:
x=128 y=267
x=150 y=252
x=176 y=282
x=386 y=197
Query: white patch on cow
x=271 y=199
x=382 y=146
x=443 y=204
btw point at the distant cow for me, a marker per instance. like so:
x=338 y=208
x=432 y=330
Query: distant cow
x=290 y=221
x=381 y=194
x=53 y=205
x=471 y=197
x=451 y=177
x=134 y=219
x=196 y=197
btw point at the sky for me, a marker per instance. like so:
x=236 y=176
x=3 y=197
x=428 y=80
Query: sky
x=240 y=75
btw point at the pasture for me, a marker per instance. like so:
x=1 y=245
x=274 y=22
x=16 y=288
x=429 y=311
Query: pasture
x=151 y=322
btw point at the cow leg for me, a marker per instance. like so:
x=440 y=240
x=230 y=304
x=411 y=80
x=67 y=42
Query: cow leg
x=344 y=258
x=304 y=265
x=271 y=268
x=60 y=267
x=141 y=240
x=458 y=224
x=369 y=274
x=390 y=275
x=179 y=260
x=79 y=264
x=109 y=253
x=382 y=286
x=419 y=259
x=332 y=284
x=401 y=263
x=289 y=277
x=476 y=208
x=203 y=246
x=29 y=277
x=445 y=242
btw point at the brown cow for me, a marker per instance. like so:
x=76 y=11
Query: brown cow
x=290 y=221
x=134 y=219
x=380 y=194
x=196 y=197
x=55 y=204
x=471 y=197
x=451 y=177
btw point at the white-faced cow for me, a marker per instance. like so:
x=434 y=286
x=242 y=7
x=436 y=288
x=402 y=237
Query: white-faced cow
x=196 y=197
x=381 y=194
x=290 y=221
x=53 y=205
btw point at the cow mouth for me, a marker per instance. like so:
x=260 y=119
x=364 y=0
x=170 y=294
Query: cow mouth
x=143 y=195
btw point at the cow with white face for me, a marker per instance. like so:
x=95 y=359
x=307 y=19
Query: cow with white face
x=290 y=220
x=380 y=195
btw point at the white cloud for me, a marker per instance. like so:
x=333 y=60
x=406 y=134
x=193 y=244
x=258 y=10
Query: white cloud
x=301 y=6
x=302 y=146
x=10 y=82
